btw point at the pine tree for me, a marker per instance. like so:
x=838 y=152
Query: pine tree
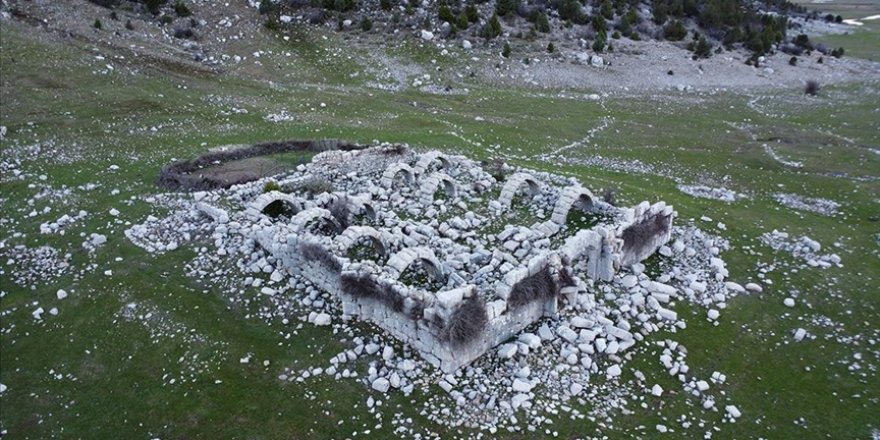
x=505 y=52
x=445 y=14
x=542 y=24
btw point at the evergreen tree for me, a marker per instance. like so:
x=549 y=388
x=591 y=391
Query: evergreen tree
x=703 y=48
x=505 y=52
x=445 y=14
x=472 y=13
x=674 y=31
x=542 y=24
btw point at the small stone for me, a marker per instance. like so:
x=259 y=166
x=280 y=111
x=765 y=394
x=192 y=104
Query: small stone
x=789 y=302
x=657 y=390
x=322 y=319
x=381 y=385
x=507 y=351
x=61 y=294
x=733 y=411
x=613 y=371
x=521 y=386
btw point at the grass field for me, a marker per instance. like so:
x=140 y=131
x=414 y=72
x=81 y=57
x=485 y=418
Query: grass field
x=103 y=368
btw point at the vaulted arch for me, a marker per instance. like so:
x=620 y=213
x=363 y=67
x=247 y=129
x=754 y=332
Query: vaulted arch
x=426 y=160
x=390 y=174
x=399 y=262
x=355 y=234
x=513 y=185
x=430 y=185
x=576 y=197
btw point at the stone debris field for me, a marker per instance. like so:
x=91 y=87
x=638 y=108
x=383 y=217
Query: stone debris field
x=513 y=296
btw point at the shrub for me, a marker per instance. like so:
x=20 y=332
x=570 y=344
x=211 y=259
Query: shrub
x=317 y=185
x=272 y=24
x=599 y=44
x=129 y=25
x=472 y=13
x=183 y=32
x=114 y=16
x=362 y=286
x=314 y=252
x=670 y=72
x=505 y=51
x=674 y=31
x=181 y=9
x=504 y=7
x=637 y=236
x=609 y=193
x=340 y=209
x=466 y=323
x=615 y=35
x=271 y=186
x=445 y=14
x=812 y=88
x=703 y=48
x=837 y=53
x=821 y=60
x=792 y=61
x=491 y=29
x=97 y=24
x=165 y=19
x=153 y=6
x=366 y=24
x=463 y=22
x=803 y=41
x=542 y=24
x=266 y=7
x=385 y=5
x=551 y=48
x=540 y=286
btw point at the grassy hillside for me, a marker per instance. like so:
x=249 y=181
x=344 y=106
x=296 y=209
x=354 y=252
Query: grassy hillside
x=143 y=351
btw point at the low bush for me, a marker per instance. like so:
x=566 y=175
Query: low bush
x=340 y=209
x=361 y=286
x=315 y=252
x=317 y=185
x=639 y=235
x=181 y=9
x=540 y=286
x=466 y=323
x=812 y=88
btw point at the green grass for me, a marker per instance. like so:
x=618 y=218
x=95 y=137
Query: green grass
x=49 y=92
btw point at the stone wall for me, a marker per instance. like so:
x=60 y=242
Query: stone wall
x=386 y=178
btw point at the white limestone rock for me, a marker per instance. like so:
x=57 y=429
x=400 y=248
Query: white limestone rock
x=322 y=319
x=381 y=385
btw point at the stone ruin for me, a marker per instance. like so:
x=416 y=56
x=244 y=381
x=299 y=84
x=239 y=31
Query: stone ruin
x=434 y=249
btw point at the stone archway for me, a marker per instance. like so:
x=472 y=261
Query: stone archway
x=430 y=185
x=513 y=185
